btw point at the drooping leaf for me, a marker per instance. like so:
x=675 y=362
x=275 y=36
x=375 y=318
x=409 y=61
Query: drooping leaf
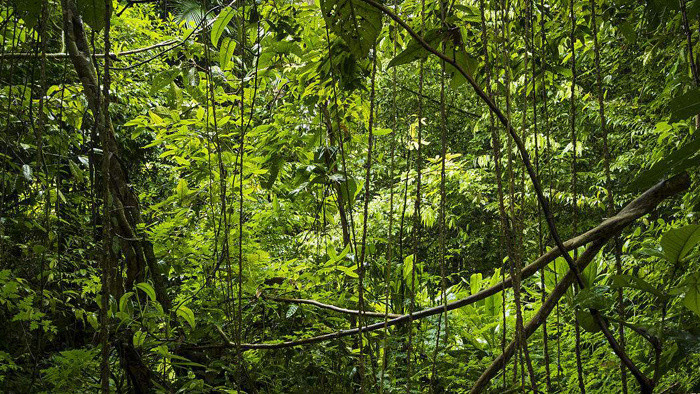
x=163 y=79
x=219 y=26
x=414 y=50
x=634 y=282
x=685 y=105
x=228 y=46
x=123 y=301
x=76 y=171
x=181 y=189
x=349 y=271
x=677 y=242
x=408 y=268
x=475 y=283
x=187 y=314
x=148 y=289
x=355 y=21
x=683 y=158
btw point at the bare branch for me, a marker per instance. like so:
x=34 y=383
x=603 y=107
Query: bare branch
x=331 y=307
x=113 y=55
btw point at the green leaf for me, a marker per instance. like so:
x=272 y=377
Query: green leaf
x=680 y=160
x=414 y=50
x=634 y=282
x=220 y=24
x=148 y=289
x=76 y=171
x=597 y=297
x=27 y=172
x=475 y=283
x=685 y=105
x=139 y=338
x=677 y=242
x=586 y=321
x=123 y=301
x=187 y=314
x=355 y=21
x=348 y=191
x=335 y=258
x=348 y=271
x=162 y=80
x=408 y=268
x=93 y=12
x=292 y=310
x=181 y=189
x=691 y=299
x=228 y=46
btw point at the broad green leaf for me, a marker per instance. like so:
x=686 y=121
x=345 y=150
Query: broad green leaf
x=629 y=32
x=162 y=80
x=123 y=301
x=597 y=297
x=677 y=242
x=634 y=282
x=139 y=338
x=220 y=24
x=408 y=268
x=414 y=50
x=187 y=314
x=228 y=46
x=93 y=12
x=148 y=289
x=586 y=321
x=475 y=283
x=685 y=105
x=92 y=319
x=355 y=21
x=335 y=258
x=181 y=189
x=349 y=271
x=76 y=171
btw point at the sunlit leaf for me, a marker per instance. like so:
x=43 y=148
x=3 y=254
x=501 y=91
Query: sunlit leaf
x=148 y=289
x=219 y=26
x=677 y=242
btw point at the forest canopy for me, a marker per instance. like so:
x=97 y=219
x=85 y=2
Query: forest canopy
x=291 y=196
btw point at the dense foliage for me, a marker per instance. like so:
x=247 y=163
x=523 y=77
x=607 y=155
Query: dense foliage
x=298 y=196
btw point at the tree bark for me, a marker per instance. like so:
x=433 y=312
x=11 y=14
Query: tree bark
x=126 y=204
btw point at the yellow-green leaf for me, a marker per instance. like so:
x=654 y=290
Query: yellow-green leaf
x=220 y=24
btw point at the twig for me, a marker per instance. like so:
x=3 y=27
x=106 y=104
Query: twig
x=331 y=307
x=112 y=55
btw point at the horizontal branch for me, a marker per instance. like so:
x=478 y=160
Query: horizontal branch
x=640 y=206
x=61 y=55
x=331 y=307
